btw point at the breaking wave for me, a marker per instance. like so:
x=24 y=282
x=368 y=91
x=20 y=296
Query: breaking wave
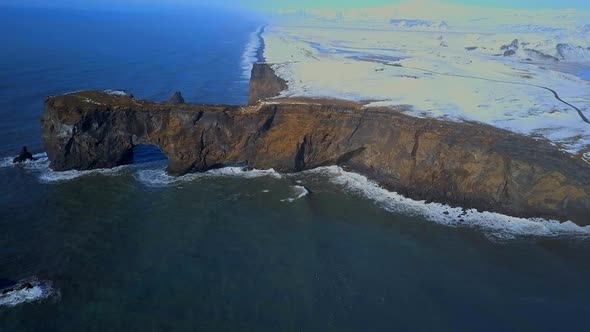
x=250 y=55
x=40 y=168
x=159 y=177
x=40 y=158
x=299 y=191
x=494 y=225
x=38 y=290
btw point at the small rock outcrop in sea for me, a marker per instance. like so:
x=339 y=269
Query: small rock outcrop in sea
x=16 y=287
x=176 y=98
x=26 y=290
x=23 y=156
x=458 y=163
x=6 y=284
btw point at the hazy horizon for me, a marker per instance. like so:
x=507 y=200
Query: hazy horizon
x=270 y=5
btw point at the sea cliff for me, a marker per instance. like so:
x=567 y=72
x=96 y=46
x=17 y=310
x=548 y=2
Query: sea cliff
x=461 y=164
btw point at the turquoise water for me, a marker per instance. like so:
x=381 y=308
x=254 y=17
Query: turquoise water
x=132 y=249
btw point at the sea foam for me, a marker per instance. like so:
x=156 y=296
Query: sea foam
x=41 y=290
x=494 y=225
x=40 y=168
x=159 y=177
x=40 y=158
x=250 y=55
x=299 y=192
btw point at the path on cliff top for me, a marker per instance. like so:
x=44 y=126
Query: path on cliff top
x=555 y=94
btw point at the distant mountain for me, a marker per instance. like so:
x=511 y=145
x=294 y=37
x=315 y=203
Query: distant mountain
x=572 y=53
x=418 y=24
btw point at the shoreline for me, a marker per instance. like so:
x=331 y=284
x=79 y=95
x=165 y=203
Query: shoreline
x=260 y=51
x=393 y=149
x=253 y=52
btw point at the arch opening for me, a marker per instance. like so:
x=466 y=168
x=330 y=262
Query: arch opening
x=146 y=153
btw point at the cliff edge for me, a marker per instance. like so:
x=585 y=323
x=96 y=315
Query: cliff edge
x=264 y=83
x=462 y=164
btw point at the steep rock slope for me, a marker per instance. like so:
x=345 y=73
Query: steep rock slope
x=466 y=164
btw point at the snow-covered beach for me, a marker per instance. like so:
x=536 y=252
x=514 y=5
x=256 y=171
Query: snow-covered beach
x=446 y=61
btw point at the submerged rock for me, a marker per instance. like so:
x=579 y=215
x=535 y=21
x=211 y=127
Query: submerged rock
x=23 y=156
x=27 y=290
x=7 y=286
x=176 y=98
x=14 y=287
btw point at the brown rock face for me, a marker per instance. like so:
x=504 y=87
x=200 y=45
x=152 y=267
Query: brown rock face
x=463 y=164
x=264 y=83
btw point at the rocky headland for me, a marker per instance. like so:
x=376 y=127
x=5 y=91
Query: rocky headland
x=459 y=163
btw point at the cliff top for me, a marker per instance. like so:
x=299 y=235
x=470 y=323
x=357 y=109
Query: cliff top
x=115 y=99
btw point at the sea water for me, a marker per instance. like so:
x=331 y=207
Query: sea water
x=133 y=248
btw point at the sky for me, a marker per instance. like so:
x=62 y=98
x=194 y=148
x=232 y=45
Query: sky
x=366 y=3
x=273 y=5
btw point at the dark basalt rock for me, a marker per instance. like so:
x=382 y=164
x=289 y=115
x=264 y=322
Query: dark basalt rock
x=512 y=46
x=540 y=55
x=23 y=156
x=462 y=164
x=25 y=286
x=264 y=83
x=14 y=287
x=176 y=98
x=509 y=53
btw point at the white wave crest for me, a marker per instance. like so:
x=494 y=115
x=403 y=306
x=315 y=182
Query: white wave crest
x=244 y=172
x=49 y=176
x=159 y=177
x=250 y=55
x=299 y=191
x=40 y=290
x=495 y=225
x=40 y=168
x=40 y=158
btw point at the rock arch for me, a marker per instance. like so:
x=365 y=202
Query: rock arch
x=462 y=164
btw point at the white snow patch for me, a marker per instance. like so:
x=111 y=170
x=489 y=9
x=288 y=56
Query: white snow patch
x=355 y=59
x=88 y=100
x=119 y=93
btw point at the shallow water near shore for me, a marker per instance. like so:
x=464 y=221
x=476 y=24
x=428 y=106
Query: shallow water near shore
x=229 y=252
x=241 y=250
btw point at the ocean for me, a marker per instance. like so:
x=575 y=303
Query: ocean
x=133 y=249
